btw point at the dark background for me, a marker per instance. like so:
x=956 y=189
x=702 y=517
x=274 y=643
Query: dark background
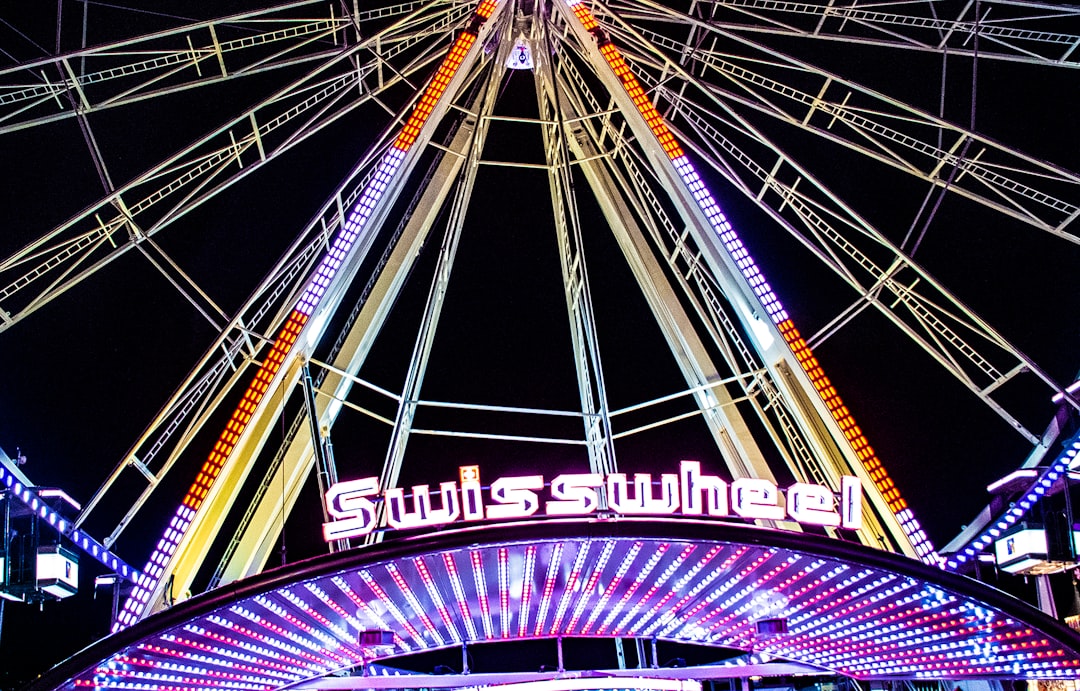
x=80 y=379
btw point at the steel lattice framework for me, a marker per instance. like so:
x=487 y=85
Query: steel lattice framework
x=644 y=108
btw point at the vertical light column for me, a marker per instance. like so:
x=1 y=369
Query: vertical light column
x=160 y=559
x=758 y=285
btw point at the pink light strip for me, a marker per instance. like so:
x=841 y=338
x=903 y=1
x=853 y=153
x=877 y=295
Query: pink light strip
x=613 y=586
x=571 y=587
x=361 y=604
x=590 y=587
x=459 y=593
x=661 y=581
x=391 y=607
x=639 y=580
x=503 y=570
x=549 y=587
x=414 y=603
x=436 y=599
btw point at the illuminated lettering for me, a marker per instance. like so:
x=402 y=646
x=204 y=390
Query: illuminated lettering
x=574 y=495
x=850 y=502
x=692 y=485
x=514 y=496
x=643 y=502
x=353 y=512
x=422 y=513
x=812 y=504
x=756 y=498
x=352 y=504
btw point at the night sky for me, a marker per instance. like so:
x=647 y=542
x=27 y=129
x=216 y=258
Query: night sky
x=83 y=376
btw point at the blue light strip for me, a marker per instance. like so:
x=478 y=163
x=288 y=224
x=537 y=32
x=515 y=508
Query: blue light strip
x=29 y=497
x=1016 y=512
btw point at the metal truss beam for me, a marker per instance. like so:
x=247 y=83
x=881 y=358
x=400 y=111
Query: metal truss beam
x=115 y=224
x=194 y=55
x=882 y=273
x=253 y=540
x=875 y=125
x=558 y=136
x=1011 y=31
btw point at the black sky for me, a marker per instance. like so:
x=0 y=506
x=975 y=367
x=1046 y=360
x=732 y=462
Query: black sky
x=83 y=376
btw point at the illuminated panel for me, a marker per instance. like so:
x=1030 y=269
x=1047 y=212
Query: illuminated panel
x=878 y=617
x=735 y=614
x=320 y=279
x=643 y=576
x=677 y=614
x=410 y=597
x=339 y=631
x=733 y=581
x=291 y=634
x=613 y=586
x=661 y=581
x=317 y=662
x=266 y=656
x=377 y=589
x=756 y=280
x=344 y=631
x=156 y=655
x=590 y=587
x=363 y=607
x=30 y=497
x=696 y=632
x=571 y=587
x=1019 y=509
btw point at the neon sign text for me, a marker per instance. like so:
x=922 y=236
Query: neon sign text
x=353 y=503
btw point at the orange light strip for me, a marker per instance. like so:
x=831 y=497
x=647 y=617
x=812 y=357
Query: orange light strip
x=435 y=90
x=641 y=100
x=859 y=444
x=242 y=415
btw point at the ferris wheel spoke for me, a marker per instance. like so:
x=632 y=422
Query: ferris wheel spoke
x=1009 y=31
x=884 y=277
x=237 y=345
x=166 y=62
x=164 y=193
x=881 y=128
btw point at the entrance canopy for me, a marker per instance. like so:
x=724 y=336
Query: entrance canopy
x=820 y=603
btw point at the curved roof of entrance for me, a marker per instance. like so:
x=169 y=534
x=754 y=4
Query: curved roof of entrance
x=820 y=602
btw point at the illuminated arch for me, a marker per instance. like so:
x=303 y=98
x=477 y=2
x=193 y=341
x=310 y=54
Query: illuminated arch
x=846 y=609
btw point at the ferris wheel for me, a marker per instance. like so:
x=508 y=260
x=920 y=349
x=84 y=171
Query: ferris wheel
x=309 y=200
